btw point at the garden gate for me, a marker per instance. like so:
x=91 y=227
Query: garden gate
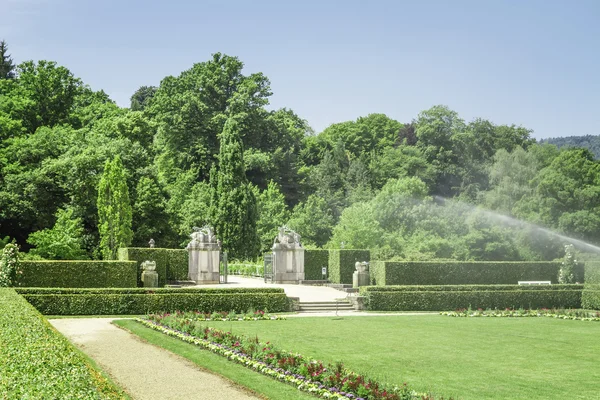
x=223 y=268
x=268 y=270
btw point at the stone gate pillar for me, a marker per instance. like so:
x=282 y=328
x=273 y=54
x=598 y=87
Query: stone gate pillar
x=288 y=257
x=204 y=251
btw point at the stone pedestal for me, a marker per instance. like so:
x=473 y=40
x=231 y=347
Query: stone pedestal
x=204 y=252
x=288 y=257
x=361 y=276
x=149 y=274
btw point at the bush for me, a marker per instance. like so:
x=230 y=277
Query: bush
x=166 y=300
x=77 y=274
x=314 y=260
x=341 y=264
x=25 y=291
x=590 y=298
x=442 y=298
x=592 y=272
x=385 y=273
x=9 y=265
x=38 y=362
x=464 y=288
x=246 y=269
x=171 y=264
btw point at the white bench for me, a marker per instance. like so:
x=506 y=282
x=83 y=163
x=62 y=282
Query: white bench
x=534 y=282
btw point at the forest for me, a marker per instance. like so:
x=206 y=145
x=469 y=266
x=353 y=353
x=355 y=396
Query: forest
x=81 y=176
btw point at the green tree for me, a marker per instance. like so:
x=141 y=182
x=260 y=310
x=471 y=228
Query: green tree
x=7 y=68
x=272 y=213
x=312 y=219
x=235 y=213
x=150 y=219
x=64 y=241
x=142 y=97
x=114 y=209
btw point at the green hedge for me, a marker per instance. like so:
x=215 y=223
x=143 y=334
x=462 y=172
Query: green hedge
x=341 y=264
x=25 y=291
x=385 y=273
x=590 y=298
x=77 y=274
x=171 y=264
x=592 y=272
x=36 y=362
x=445 y=300
x=465 y=288
x=114 y=304
x=314 y=260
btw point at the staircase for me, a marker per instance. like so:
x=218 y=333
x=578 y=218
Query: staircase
x=325 y=306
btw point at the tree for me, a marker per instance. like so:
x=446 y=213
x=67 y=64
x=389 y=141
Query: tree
x=150 y=219
x=64 y=241
x=7 y=68
x=312 y=219
x=114 y=209
x=235 y=213
x=272 y=213
x=141 y=98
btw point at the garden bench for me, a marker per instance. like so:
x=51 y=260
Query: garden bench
x=534 y=282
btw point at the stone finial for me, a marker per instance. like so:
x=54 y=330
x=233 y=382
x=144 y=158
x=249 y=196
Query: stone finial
x=362 y=266
x=149 y=265
x=151 y=243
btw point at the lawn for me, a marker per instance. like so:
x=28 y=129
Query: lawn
x=467 y=358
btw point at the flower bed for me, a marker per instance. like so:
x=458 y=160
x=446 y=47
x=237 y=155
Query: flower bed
x=330 y=381
x=219 y=316
x=580 y=315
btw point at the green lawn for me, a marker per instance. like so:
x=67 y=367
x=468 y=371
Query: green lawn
x=468 y=358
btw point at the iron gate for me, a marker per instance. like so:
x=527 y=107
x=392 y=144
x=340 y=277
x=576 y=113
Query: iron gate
x=223 y=268
x=268 y=268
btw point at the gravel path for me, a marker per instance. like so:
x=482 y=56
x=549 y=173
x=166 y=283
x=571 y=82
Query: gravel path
x=141 y=369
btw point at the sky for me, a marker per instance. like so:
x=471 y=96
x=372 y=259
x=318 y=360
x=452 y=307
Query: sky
x=524 y=62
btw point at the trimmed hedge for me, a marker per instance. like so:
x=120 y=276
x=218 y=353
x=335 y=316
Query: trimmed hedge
x=314 y=260
x=590 y=298
x=592 y=272
x=77 y=274
x=341 y=264
x=491 y=298
x=25 y=291
x=385 y=273
x=38 y=362
x=171 y=264
x=91 y=303
x=464 y=288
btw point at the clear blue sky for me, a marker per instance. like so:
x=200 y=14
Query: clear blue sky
x=531 y=63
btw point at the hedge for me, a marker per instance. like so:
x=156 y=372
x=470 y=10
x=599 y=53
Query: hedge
x=25 y=291
x=171 y=264
x=444 y=300
x=115 y=304
x=38 y=362
x=590 y=298
x=465 y=288
x=77 y=274
x=314 y=261
x=385 y=273
x=341 y=264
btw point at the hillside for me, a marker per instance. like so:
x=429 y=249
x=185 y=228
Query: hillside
x=590 y=142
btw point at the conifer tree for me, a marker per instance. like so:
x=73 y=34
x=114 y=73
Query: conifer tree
x=7 y=68
x=235 y=213
x=114 y=210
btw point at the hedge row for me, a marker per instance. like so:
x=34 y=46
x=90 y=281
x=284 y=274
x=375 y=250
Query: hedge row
x=314 y=261
x=38 y=362
x=77 y=274
x=171 y=264
x=341 y=264
x=385 y=273
x=109 y=304
x=486 y=299
x=147 y=290
x=465 y=288
x=590 y=298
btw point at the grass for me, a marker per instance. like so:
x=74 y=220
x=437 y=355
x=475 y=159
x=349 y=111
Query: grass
x=467 y=358
x=261 y=385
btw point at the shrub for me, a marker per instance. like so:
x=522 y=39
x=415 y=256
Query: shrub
x=590 y=298
x=46 y=291
x=341 y=264
x=444 y=298
x=78 y=274
x=314 y=260
x=113 y=302
x=463 y=272
x=9 y=265
x=38 y=362
x=171 y=264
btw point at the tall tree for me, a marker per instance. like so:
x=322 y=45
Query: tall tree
x=235 y=213
x=7 y=68
x=272 y=213
x=141 y=98
x=114 y=210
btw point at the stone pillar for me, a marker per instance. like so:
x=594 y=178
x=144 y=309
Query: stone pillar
x=288 y=257
x=204 y=251
x=149 y=274
x=360 y=277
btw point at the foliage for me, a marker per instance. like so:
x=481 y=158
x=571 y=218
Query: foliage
x=39 y=362
x=142 y=97
x=568 y=266
x=590 y=142
x=64 y=241
x=580 y=315
x=312 y=220
x=156 y=301
x=171 y=264
x=7 y=68
x=442 y=300
x=332 y=381
x=590 y=298
x=462 y=272
x=10 y=265
x=272 y=214
x=342 y=264
x=114 y=209
x=81 y=274
x=314 y=261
